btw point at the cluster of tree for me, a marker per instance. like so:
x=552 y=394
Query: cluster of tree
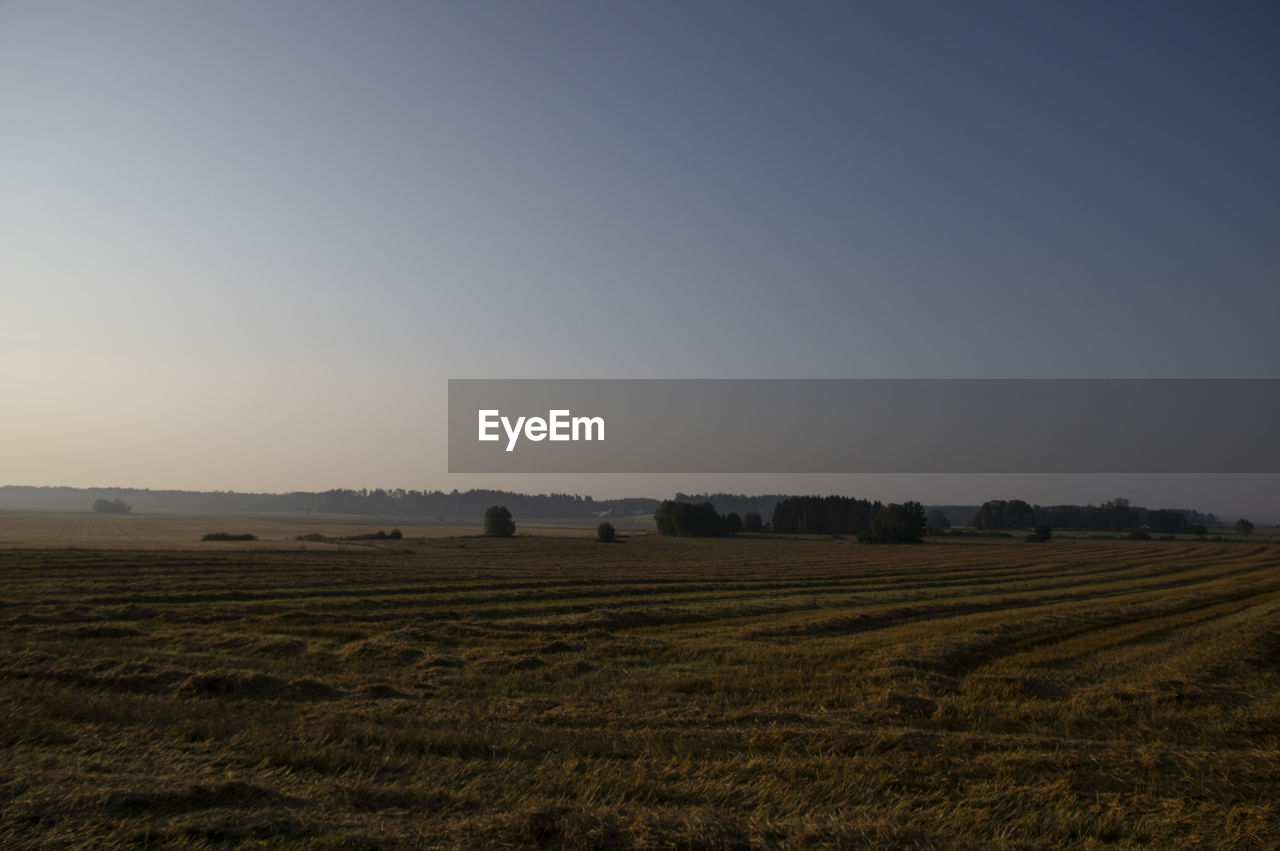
x=112 y=506
x=896 y=524
x=695 y=520
x=1040 y=534
x=498 y=522
x=1004 y=514
x=871 y=522
x=824 y=515
x=229 y=536
x=1115 y=515
x=736 y=503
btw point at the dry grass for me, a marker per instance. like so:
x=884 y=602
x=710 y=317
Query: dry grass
x=660 y=693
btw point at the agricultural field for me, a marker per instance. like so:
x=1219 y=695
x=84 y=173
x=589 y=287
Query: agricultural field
x=551 y=691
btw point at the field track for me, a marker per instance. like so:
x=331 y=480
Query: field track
x=552 y=691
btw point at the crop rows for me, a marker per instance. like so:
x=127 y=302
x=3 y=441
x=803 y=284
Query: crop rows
x=543 y=691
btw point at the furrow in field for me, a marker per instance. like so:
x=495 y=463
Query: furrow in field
x=962 y=645
x=866 y=618
x=1151 y=648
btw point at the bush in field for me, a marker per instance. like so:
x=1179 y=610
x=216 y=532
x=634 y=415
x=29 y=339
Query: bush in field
x=733 y=523
x=498 y=522
x=112 y=506
x=227 y=536
x=1041 y=533
x=380 y=535
x=753 y=522
x=1244 y=527
x=605 y=533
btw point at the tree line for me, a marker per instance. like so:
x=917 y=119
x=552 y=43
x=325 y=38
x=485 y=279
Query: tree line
x=1116 y=515
x=787 y=514
x=871 y=522
x=377 y=502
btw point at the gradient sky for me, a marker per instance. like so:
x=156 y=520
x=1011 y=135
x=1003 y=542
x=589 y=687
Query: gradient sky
x=244 y=244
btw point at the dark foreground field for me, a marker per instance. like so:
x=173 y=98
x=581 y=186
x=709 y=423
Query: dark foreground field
x=653 y=693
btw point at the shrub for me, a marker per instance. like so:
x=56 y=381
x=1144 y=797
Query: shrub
x=380 y=535
x=498 y=522
x=1042 y=533
x=227 y=536
x=1244 y=527
x=112 y=506
x=605 y=533
x=1140 y=535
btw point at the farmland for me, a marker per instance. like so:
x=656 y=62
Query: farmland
x=548 y=690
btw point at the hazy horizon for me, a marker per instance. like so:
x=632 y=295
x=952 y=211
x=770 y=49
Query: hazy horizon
x=243 y=246
x=1030 y=488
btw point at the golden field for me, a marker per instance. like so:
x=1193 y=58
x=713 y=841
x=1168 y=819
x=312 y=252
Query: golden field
x=551 y=691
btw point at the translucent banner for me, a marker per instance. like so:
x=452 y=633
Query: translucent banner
x=864 y=426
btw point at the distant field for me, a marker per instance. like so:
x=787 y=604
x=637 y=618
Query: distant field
x=657 y=693
x=64 y=529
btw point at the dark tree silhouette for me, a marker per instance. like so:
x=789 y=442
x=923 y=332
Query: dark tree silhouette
x=1043 y=532
x=111 y=506
x=896 y=524
x=1004 y=514
x=498 y=522
x=824 y=515
x=689 y=520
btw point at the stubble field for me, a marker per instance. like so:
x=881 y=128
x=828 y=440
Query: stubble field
x=553 y=691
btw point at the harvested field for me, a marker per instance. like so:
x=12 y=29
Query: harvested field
x=555 y=692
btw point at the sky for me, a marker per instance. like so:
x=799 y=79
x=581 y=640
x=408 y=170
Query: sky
x=244 y=245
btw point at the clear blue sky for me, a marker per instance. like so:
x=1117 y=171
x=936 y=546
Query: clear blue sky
x=243 y=244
